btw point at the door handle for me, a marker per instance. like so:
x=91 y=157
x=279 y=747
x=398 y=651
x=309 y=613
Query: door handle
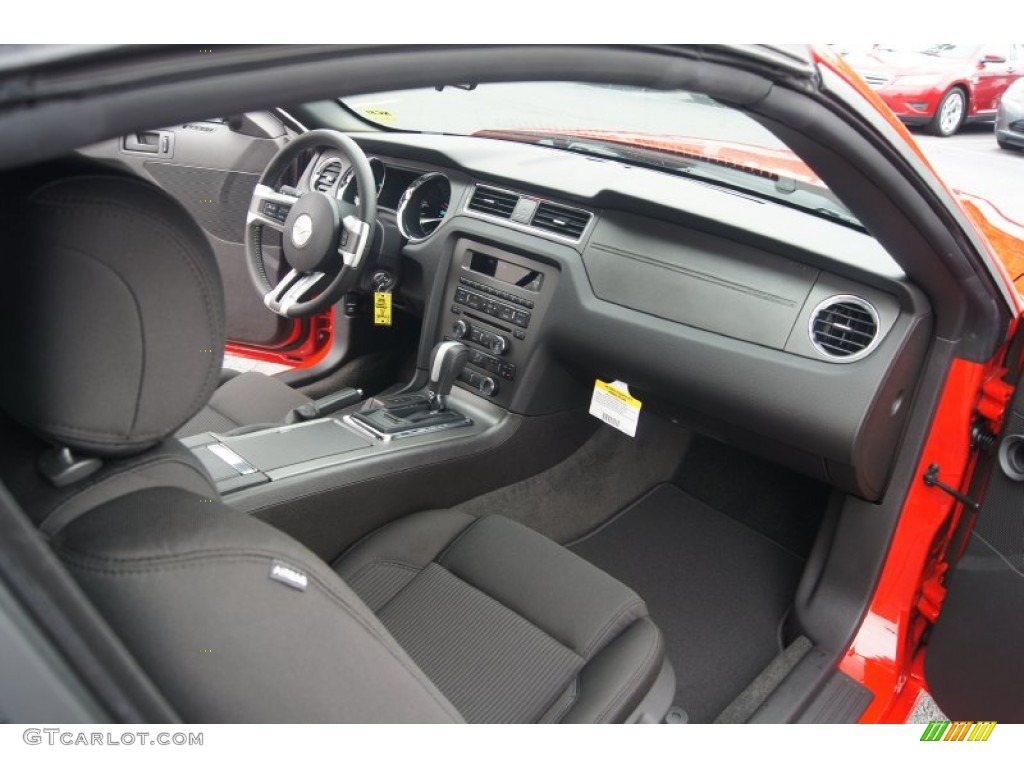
x=143 y=142
x=149 y=142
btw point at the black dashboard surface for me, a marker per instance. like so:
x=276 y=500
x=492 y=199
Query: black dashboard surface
x=703 y=299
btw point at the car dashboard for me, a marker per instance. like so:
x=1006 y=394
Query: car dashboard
x=792 y=336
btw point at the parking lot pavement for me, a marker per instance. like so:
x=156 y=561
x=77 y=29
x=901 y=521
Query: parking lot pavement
x=972 y=162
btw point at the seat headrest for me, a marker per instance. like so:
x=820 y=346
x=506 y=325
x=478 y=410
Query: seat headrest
x=112 y=311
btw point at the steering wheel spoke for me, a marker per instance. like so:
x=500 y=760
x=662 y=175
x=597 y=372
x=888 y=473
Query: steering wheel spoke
x=293 y=289
x=270 y=208
x=355 y=235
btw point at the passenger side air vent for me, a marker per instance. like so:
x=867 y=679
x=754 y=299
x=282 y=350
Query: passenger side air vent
x=493 y=202
x=326 y=175
x=568 y=222
x=844 y=327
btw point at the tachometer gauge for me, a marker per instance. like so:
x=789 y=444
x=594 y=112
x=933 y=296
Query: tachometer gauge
x=348 y=189
x=423 y=206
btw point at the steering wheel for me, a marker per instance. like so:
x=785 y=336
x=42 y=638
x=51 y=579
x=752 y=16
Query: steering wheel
x=323 y=239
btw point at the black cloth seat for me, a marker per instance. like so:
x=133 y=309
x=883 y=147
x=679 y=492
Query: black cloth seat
x=113 y=329
x=243 y=400
x=486 y=604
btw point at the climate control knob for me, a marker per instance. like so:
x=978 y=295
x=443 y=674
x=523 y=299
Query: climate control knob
x=498 y=344
x=460 y=329
x=487 y=386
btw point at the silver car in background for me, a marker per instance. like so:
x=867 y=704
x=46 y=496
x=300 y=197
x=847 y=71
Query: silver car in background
x=1010 y=117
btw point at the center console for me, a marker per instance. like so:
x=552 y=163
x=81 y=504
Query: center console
x=494 y=306
x=242 y=462
x=495 y=302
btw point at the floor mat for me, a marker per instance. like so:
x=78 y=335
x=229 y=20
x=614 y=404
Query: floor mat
x=785 y=506
x=590 y=486
x=716 y=588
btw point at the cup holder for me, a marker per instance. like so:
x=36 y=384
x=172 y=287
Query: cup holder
x=1011 y=457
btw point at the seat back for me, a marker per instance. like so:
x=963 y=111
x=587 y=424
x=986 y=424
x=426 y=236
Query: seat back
x=112 y=320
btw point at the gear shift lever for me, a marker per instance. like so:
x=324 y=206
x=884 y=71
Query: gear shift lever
x=447 y=360
x=420 y=412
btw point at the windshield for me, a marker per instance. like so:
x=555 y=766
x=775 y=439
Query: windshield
x=678 y=132
x=951 y=50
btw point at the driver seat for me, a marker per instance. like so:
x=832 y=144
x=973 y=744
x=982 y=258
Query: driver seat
x=112 y=323
x=243 y=400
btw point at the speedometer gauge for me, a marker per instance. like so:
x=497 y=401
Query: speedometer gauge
x=423 y=206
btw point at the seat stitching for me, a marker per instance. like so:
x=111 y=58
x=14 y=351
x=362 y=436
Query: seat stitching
x=401 y=589
x=610 y=624
x=574 y=685
x=451 y=544
x=374 y=563
x=156 y=562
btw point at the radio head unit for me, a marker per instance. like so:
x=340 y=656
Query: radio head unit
x=494 y=304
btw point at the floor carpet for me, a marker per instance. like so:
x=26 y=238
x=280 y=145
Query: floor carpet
x=715 y=587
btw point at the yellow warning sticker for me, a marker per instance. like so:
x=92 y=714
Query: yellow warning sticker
x=613 y=405
x=381 y=308
x=379 y=115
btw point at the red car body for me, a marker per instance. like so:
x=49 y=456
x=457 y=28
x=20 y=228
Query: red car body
x=967 y=80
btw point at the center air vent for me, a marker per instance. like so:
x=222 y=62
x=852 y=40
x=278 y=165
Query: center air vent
x=493 y=202
x=568 y=222
x=844 y=327
x=529 y=211
x=326 y=175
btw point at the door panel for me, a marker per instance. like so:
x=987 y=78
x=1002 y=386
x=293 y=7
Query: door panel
x=212 y=170
x=975 y=658
x=991 y=79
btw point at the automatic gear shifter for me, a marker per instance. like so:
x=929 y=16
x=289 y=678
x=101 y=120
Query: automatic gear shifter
x=446 y=363
x=425 y=411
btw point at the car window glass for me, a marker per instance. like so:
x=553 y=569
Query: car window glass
x=681 y=132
